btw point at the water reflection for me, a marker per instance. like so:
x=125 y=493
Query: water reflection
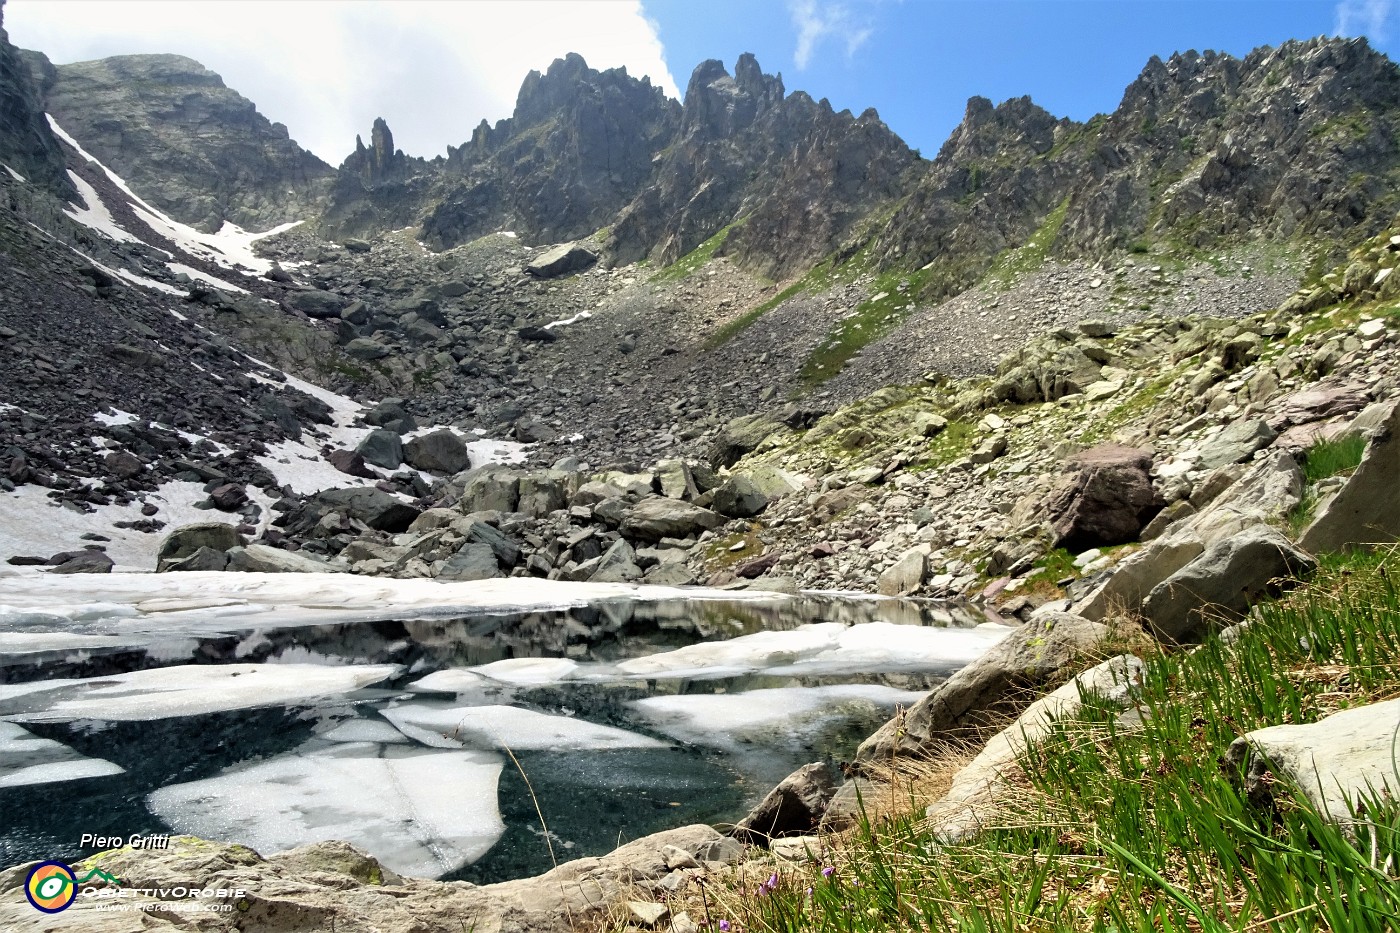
x=710 y=759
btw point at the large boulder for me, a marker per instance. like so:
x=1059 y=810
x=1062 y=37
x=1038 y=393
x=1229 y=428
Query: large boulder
x=439 y=451
x=1366 y=510
x=905 y=575
x=739 y=497
x=560 y=260
x=658 y=517
x=617 y=565
x=475 y=561
x=1106 y=501
x=1337 y=762
x=383 y=448
x=1238 y=441
x=1045 y=651
x=332 y=885
x=262 y=558
x=739 y=437
x=374 y=507
x=88 y=560
x=314 y=303
x=489 y=488
x=185 y=540
x=545 y=491
x=1267 y=491
x=981 y=789
x=1222 y=583
x=793 y=808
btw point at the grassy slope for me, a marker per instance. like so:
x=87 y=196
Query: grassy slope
x=1122 y=827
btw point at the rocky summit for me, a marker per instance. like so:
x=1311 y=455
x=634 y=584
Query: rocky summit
x=1116 y=384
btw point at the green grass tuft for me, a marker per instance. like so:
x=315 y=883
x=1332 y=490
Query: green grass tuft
x=1133 y=823
x=1333 y=457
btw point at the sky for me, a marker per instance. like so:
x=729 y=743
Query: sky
x=434 y=69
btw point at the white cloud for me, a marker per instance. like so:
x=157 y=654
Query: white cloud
x=327 y=69
x=816 y=21
x=1363 y=18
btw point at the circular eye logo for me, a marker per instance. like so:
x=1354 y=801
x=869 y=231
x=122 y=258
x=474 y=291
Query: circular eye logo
x=51 y=887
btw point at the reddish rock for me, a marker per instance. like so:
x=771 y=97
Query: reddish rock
x=1106 y=501
x=757 y=567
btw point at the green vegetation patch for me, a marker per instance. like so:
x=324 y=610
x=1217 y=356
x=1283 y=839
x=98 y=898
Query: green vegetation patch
x=892 y=299
x=1012 y=264
x=695 y=260
x=1134 y=822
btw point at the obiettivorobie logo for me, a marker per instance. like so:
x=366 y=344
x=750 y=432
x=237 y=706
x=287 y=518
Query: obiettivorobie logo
x=53 y=886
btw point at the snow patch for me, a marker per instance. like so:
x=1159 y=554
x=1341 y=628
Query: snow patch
x=117 y=417
x=581 y=316
x=95 y=216
x=18 y=177
x=180 y=268
x=231 y=247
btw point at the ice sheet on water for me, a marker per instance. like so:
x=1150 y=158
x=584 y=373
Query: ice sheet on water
x=194 y=689
x=422 y=813
x=823 y=648
x=212 y=601
x=364 y=730
x=26 y=758
x=449 y=680
x=758 y=718
x=528 y=671
x=507 y=727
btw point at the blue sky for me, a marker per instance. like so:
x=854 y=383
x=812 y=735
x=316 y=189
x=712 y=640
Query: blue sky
x=918 y=61
x=434 y=69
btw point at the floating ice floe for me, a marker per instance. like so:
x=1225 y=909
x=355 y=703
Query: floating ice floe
x=508 y=727
x=421 y=813
x=785 y=715
x=26 y=758
x=823 y=648
x=194 y=689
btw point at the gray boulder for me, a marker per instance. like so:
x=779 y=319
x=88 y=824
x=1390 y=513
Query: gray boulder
x=676 y=480
x=658 y=517
x=314 y=303
x=739 y=437
x=905 y=576
x=1366 y=510
x=88 y=560
x=1237 y=442
x=374 y=507
x=366 y=349
x=262 y=558
x=793 y=808
x=1045 y=651
x=383 y=448
x=1222 y=583
x=739 y=497
x=489 y=488
x=185 y=540
x=545 y=491
x=560 y=260
x=617 y=565
x=507 y=551
x=440 y=451
x=206 y=559
x=475 y=561
x=1337 y=762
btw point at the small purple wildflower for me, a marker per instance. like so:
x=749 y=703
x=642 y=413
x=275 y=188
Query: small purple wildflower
x=828 y=871
x=724 y=926
x=809 y=890
x=772 y=881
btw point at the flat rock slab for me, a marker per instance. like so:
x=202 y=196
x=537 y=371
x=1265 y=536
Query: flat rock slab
x=1367 y=509
x=1334 y=762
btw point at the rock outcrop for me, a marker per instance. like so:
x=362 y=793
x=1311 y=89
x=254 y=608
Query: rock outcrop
x=189 y=145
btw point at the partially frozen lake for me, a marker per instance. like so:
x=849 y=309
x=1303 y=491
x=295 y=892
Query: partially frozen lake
x=279 y=710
